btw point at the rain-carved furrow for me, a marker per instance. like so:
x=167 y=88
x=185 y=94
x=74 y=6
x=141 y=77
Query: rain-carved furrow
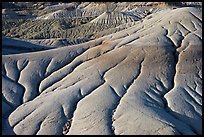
x=86 y=61
x=42 y=122
x=19 y=85
x=198 y=88
x=58 y=88
x=127 y=88
x=166 y=107
x=194 y=26
x=176 y=55
x=38 y=129
x=150 y=101
x=12 y=70
x=43 y=75
x=57 y=79
x=154 y=97
x=37 y=83
x=10 y=105
x=188 y=31
x=156 y=91
x=78 y=64
x=195 y=95
x=193 y=103
x=174 y=45
x=107 y=81
x=194 y=108
x=25 y=64
x=114 y=91
x=46 y=71
x=4 y=72
x=69 y=121
x=61 y=88
x=139 y=30
x=195 y=16
x=122 y=43
x=149 y=115
x=197 y=36
x=164 y=88
x=67 y=124
x=23 y=118
x=186 y=27
x=82 y=97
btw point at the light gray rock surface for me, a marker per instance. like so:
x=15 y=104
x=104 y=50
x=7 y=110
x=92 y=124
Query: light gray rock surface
x=144 y=80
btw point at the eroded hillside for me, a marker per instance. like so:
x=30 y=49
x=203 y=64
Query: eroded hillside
x=143 y=79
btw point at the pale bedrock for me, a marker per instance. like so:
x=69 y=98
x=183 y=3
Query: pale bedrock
x=146 y=79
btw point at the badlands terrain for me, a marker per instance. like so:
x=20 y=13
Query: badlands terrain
x=113 y=68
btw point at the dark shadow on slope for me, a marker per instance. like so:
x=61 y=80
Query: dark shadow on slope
x=6 y=128
x=18 y=50
x=192 y=121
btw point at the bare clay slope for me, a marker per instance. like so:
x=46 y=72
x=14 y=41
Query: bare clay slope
x=142 y=80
